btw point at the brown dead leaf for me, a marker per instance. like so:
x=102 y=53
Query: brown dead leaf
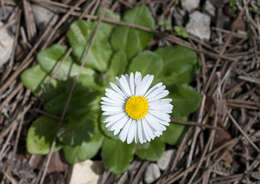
x=221 y=137
x=55 y=165
x=238 y=25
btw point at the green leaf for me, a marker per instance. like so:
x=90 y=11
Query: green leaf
x=78 y=128
x=141 y=15
x=185 y=99
x=173 y=134
x=131 y=40
x=117 y=155
x=88 y=81
x=179 y=64
x=85 y=151
x=34 y=78
x=150 y=151
x=40 y=136
x=147 y=62
x=79 y=36
x=181 y=31
x=118 y=64
x=49 y=59
x=82 y=114
x=83 y=100
x=127 y=40
x=107 y=27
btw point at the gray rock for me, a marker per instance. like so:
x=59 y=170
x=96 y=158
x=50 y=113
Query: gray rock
x=210 y=8
x=165 y=159
x=152 y=173
x=178 y=15
x=190 y=5
x=43 y=16
x=199 y=25
x=6 y=45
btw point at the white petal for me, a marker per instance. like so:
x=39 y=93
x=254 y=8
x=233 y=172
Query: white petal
x=138 y=78
x=139 y=131
x=156 y=92
x=156 y=87
x=160 y=95
x=109 y=100
x=116 y=127
x=162 y=108
x=157 y=134
x=165 y=123
x=117 y=89
x=136 y=132
x=145 y=128
x=123 y=133
x=109 y=113
x=114 y=95
x=124 y=85
x=161 y=105
x=111 y=108
x=166 y=100
x=154 y=123
x=131 y=132
x=132 y=83
x=112 y=104
x=150 y=130
x=160 y=116
x=143 y=86
x=114 y=118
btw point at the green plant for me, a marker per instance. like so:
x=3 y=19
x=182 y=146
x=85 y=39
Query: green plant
x=116 y=50
x=180 y=31
x=233 y=5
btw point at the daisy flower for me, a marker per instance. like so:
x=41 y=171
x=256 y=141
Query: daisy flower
x=134 y=110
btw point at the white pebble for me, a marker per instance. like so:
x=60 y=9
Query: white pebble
x=6 y=45
x=152 y=173
x=199 y=25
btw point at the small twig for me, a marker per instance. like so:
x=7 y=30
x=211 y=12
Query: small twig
x=190 y=123
x=140 y=172
x=249 y=79
x=200 y=162
x=228 y=144
x=243 y=133
x=11 y=22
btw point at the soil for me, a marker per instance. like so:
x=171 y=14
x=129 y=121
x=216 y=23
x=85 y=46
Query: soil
x=222 y=142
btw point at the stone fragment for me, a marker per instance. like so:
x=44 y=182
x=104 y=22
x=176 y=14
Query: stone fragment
x=190 y=5
x=152 y=173
x=210 y=8
x=178 y=16
x=165 y=159
x=199 y=25
x=87 y=172
x=6 y=45
x=43 y=16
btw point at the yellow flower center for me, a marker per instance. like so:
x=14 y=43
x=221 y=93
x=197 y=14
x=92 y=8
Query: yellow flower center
x=136 y=107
